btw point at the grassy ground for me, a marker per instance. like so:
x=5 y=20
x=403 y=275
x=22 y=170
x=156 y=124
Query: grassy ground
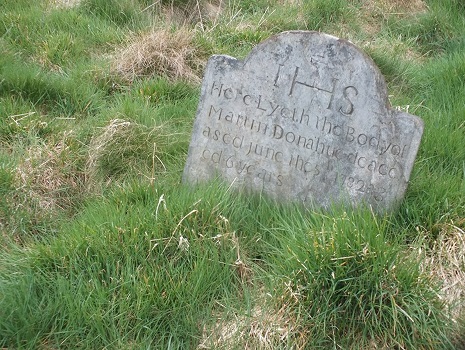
x=103 y=247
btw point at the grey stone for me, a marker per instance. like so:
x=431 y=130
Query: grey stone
x=305 y=117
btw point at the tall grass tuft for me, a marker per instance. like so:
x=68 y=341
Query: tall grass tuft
x=161 y=260
x=160 y=52
x=56 y=93
x=120 y=13
x=351 y=287
x=125 y=149
x=320 y=13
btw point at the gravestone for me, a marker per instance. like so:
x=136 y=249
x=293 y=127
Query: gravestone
x=305 y=117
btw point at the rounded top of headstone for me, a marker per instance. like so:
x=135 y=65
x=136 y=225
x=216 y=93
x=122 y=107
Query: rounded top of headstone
x=332 y=57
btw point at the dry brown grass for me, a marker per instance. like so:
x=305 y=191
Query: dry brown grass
x=193 y=13
x=123 y=147
x=63 y=4
x=371 y=18
x=447 y=264
x=374 y=12
x=46 y=182
x=399 y=7
x=263 y=329
x=160 y=52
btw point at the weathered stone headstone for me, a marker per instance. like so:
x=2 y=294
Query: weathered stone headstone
x=305 y=117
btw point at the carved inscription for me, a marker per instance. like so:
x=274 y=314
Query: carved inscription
x=314 y=125
x=309 y=140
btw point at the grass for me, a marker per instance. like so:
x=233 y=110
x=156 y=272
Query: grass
x=171 y=54
x=357 y=285
x=101 y=244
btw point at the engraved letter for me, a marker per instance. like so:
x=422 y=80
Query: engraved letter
x=397 y=148
x=323 y=124
x=224 y=139
x=229 y=93
x=364 y=164
x=213 y=109
x=350 y=108
x=214 y=87
x=362 y=139
x=350 y=134
x=206 y=132
x=382 y=172
x=277 y=131
x=248 y=98
x=277 y=75
x=274 y=109
x=230 y=162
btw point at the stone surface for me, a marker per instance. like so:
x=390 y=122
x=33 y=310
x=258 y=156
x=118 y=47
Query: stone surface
x=305 y=117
